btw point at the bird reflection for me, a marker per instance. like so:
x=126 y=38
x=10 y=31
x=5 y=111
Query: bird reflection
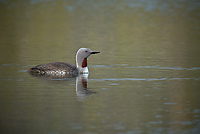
x=81 y=83
x=81 y=86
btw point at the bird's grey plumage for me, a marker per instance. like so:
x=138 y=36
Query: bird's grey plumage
x=55 y=68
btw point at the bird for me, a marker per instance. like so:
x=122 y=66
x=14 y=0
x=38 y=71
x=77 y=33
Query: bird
x=64 y=68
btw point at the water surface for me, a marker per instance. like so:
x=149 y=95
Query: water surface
x=145 y=80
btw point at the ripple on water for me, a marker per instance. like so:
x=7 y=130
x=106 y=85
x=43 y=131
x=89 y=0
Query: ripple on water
x=167 y=68
x=169 y=103
x=142 y=79
x=144 y=67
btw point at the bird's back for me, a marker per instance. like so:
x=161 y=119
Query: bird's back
x=55 y=68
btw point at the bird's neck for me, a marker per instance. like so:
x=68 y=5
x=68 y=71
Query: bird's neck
x=81 y=64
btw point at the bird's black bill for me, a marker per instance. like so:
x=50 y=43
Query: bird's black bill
x=95 y=52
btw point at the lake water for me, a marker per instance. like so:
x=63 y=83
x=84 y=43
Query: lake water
x=146 y=80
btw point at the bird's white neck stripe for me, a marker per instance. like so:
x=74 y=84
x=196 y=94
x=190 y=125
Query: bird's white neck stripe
x=83 y=70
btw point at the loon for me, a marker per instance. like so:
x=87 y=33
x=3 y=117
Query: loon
x=63 y=68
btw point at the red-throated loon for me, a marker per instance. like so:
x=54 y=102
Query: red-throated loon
x=63 y=68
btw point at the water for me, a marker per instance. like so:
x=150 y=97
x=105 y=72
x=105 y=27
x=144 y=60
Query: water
x=145 y=80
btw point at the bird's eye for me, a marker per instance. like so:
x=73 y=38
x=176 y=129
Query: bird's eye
x=86 y=51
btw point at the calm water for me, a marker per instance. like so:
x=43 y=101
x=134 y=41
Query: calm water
x=145 y=80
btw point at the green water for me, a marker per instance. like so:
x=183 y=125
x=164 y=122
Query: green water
x=145 y=80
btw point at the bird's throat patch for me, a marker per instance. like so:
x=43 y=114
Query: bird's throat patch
x=84 y=63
